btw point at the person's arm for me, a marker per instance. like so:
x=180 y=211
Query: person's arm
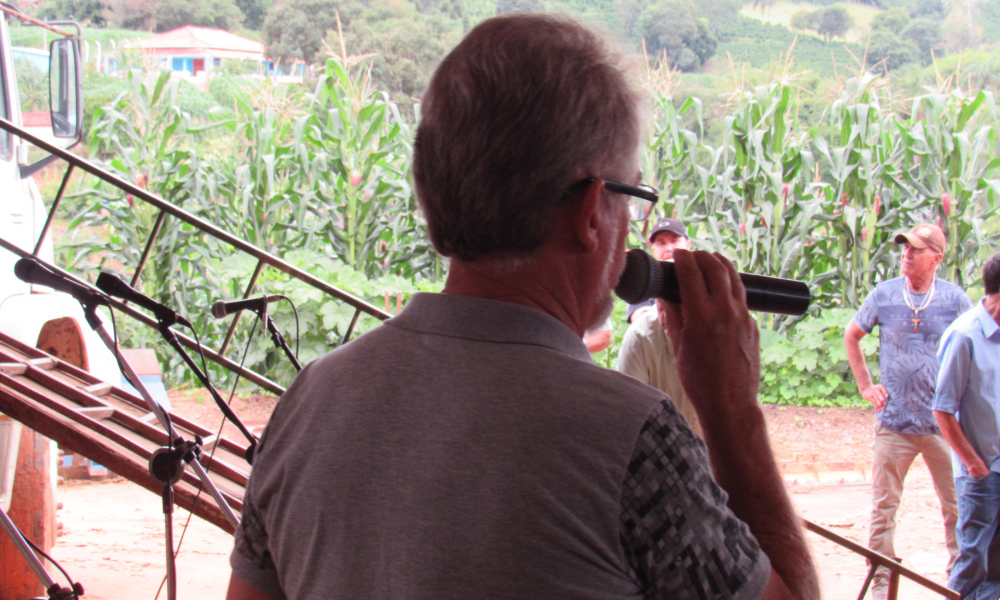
x=598 y=340
x=952 y=431
x=630 y=356
x=876 y=394
x=241 y=590
x=718 y=356
x=955 y=356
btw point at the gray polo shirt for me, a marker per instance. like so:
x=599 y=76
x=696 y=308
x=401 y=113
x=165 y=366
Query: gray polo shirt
x=470 y=449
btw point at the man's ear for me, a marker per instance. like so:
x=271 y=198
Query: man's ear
x=583 y=213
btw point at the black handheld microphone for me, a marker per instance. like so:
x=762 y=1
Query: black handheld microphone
x=113 y=285
x=30 y=270
x=222 y=308
x=645 y=277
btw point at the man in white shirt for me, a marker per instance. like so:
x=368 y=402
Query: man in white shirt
x=647 y=353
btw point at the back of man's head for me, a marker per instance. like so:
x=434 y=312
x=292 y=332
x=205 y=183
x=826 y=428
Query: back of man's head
x=524 y=106
x=991 y=275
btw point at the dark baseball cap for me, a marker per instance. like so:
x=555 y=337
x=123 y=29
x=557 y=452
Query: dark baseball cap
x=672 y=225
x=634 y=307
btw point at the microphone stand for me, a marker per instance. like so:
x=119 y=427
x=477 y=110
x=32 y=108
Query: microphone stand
x=53 y=589
x=276 y=337
x=167 y=464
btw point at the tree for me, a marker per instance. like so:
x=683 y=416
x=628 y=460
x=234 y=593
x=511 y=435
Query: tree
x=925 y=35
x=220 y=14
x=406 y=50
x=803 y=20
x=85 y=11
x=628 y=12
x=887 y=52
x=671 y=26
x=929 y=9
x=894 y=20
x=295 y=29
x=962 y=27
x=506 y=6
x=133 y=14
x=719 y=14
x=254 y=12
x=833 y=21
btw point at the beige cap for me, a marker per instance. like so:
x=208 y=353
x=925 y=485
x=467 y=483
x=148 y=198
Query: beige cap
x=924 y=235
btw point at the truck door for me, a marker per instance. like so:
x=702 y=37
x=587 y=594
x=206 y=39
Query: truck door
x=17 y=218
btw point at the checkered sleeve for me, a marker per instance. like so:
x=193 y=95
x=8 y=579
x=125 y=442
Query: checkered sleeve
x=251 y=559
x=680 y=539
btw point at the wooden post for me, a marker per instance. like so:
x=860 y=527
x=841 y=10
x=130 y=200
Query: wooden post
x=32 y=511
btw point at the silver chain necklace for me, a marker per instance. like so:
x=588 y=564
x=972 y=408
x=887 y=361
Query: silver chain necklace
x=916 y=310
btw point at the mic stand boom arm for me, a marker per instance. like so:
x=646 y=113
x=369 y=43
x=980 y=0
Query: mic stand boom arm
x=278 y=340
x=171 y=338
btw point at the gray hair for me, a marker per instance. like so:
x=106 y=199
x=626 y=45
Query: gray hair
x=515 y=114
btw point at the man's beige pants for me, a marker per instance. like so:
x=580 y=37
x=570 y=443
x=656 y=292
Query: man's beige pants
x=894 y=453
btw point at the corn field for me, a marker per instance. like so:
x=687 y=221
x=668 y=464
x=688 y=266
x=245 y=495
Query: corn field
x=322 y=178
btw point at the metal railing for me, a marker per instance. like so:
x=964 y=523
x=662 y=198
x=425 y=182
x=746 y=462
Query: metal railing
x=876 y=560
x=167 y=209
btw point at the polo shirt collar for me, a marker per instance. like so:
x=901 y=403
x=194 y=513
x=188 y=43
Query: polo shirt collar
x=468 y=317
x=986 y=321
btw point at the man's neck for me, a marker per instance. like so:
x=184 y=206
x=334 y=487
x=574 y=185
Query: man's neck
x=920 y=284
x=992 y=305
x=535 y=284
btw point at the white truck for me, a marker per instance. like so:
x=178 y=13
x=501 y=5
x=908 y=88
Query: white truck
x=25 y=309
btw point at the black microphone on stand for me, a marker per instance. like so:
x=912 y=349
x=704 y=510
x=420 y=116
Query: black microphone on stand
x=222 y=308
x=29 y=270
x=113 y=285
x=645 y=277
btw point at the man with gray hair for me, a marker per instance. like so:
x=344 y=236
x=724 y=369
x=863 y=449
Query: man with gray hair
x=469 y=447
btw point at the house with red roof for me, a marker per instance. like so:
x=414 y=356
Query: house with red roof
x=197 y=51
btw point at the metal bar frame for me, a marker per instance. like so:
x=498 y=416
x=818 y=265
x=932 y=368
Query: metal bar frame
x=160 y=218
x=236 y=321
x=55 y=207
x=166 y=208
x=188 y=342
x=877 y=560
x=183 y=215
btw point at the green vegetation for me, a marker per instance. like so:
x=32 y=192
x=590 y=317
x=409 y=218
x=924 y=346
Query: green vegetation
x=326 y=174
x=795 y=155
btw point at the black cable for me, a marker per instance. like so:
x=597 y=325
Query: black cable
x=295 y=311
x=121 y=368
x=72 y=584
x=211 y=455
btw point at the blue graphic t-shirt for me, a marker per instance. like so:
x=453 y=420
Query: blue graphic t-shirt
x=907 y=360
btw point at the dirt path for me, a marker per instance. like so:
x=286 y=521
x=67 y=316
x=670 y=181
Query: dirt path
x=112 y=538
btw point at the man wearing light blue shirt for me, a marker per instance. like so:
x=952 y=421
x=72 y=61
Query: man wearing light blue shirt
x=967 y=408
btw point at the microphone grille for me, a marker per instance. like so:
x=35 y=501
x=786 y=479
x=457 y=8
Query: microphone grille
x=110 y=284
x=640 y=280
x=219 y=309
x=23 y=269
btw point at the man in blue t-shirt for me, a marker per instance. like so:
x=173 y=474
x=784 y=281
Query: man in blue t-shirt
x=911 y=312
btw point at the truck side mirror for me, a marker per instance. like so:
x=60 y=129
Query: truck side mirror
x=65 y=88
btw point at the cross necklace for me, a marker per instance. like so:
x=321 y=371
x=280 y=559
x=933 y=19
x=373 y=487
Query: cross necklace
x=916 y=309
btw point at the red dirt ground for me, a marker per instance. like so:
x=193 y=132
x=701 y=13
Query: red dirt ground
x=112 y=532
